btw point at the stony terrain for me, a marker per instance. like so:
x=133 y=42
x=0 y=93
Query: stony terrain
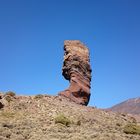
x=44 y=117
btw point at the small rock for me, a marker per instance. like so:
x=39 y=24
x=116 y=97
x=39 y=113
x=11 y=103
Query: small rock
x=1 y=105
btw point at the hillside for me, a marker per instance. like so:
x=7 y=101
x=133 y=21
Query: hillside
x=131 y=106
x=44 y=117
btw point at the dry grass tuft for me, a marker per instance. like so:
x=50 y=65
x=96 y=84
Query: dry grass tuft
x=39 y=96
x=132 y=129
x=61 y=118
x=6 y=114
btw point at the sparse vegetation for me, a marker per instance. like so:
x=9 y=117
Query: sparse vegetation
x=132 y=129
x=38 y=96
x=61 y=118
x=56 y=118
x=6 y=114
x=10 y=93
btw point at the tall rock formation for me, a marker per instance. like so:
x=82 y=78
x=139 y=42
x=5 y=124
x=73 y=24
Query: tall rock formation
x=76 y=69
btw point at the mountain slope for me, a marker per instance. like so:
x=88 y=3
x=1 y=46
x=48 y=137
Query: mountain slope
x=44 y=117
x=131 y=106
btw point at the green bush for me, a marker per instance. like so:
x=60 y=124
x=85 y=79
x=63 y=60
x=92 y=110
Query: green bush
x=132 y=129
x=62 y=119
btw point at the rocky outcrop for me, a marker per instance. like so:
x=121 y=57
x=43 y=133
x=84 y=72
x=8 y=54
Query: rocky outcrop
x=76 y=69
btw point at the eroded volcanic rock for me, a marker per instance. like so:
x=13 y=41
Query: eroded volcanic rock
x=76 y=69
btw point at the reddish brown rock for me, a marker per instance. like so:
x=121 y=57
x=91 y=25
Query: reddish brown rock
x=76 y=69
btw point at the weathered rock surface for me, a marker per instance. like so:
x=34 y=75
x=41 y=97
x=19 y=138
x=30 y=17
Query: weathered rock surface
x=76 y=69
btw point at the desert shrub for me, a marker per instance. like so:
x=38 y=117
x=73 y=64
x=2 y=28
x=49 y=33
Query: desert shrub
x=6 y=114
x=132 y=129
x=10 y=93
x=61 y=118
x=39 y=96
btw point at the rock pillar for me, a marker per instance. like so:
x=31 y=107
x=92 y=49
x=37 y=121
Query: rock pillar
x=76 y=69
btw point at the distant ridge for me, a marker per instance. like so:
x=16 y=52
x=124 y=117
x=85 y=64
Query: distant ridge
x=131 y=106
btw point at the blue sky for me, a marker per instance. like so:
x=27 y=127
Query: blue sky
x=32 y=33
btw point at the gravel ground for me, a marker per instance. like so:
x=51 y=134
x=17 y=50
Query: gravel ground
x=44 y=117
